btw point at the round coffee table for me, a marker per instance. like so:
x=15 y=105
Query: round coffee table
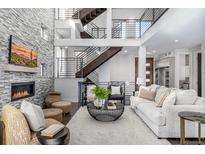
x=104 y=113
x=58 y=139
x=191 y=116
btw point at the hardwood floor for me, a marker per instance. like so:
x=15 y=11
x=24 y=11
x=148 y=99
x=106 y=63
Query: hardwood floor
x=74 y=109
x=189 y=141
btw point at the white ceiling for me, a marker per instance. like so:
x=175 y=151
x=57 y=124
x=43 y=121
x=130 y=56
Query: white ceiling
x=127 y=13
x=185 y=25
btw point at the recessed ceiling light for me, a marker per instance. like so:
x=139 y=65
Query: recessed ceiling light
x=176 y=41
x=125 y=51
x=66 y=47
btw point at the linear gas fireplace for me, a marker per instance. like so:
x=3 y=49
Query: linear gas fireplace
x=22 y=90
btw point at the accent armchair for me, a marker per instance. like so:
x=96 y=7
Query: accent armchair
x=117 y=94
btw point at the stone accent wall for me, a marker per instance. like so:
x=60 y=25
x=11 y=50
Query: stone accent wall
x=26 y=24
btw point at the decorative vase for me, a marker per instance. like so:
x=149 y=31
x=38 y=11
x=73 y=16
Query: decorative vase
x=99 y=102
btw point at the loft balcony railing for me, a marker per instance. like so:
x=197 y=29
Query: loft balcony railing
x=95 y=31
x=67 y=13
x=135 y=28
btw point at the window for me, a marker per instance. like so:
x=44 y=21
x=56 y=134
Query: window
x=44 y=32
x=43 y=69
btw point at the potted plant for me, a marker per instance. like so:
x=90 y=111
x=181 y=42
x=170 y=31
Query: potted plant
x=100 y=94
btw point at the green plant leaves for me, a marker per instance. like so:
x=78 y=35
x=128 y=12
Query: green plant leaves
x=100 y=92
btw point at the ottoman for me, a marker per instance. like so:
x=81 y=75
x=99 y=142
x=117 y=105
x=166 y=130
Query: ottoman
x=64 y=105
x=54 y=113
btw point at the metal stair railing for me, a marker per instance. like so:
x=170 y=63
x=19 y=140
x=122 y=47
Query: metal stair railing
x=95 y=32
x=67 y=13
x=89 y=54
x=67 y=66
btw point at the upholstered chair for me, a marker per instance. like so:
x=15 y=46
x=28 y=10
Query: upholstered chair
x=16 y=130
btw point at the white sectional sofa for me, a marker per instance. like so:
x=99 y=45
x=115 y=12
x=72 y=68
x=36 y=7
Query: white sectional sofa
x=164 y=121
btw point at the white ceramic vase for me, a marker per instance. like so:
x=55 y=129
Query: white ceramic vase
x=99 y=102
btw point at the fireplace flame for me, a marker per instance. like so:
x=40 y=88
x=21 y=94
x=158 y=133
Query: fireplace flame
x=20 y=94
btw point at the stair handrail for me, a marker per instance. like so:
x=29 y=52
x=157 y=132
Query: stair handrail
x=90 y=54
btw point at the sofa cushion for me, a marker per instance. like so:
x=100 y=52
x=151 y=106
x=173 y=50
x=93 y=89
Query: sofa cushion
x=161 y=94
x=186 y=97
x=200 y=101
x=135 y=101
x=170 y=99
x=34 y=115
x=153 y=113
x=146 y=93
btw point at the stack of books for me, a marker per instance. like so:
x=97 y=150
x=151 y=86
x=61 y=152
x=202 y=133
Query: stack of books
x=52 y=130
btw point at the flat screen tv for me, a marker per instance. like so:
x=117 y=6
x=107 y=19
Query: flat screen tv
x=21 y=54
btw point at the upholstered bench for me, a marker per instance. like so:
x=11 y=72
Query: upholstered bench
x=64 y=105
x=54 y=113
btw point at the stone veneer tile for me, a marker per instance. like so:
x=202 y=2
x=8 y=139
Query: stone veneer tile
x=26 y=24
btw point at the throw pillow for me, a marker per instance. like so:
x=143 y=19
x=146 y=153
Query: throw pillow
x=90 y=95
x=200 y=101
x=154 y=87
x=146 y=93
x=170 y=99
x=161 y=95
x=186 y=97
x=34 y=115
x=115 y=90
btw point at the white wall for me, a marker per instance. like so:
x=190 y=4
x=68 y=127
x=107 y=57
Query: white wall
x=100 y=21
x=121 y=67
x=104 y=72
x=129 y=13
x=68 y=88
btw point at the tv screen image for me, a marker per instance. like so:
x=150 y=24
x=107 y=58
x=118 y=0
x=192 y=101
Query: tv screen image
x=20 y=54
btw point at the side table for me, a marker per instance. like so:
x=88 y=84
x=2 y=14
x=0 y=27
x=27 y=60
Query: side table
x=191 y=116
x=58 y=139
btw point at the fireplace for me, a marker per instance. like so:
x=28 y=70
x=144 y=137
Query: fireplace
x=22 y=90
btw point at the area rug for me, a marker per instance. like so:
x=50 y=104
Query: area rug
x=129 y=129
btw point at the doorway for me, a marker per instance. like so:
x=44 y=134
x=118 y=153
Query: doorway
x=149 y=70
x=199 y=74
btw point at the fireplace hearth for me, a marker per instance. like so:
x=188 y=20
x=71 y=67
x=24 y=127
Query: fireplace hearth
x=22 y=90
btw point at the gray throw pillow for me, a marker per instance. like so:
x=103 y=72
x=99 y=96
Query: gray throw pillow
x=34 y=115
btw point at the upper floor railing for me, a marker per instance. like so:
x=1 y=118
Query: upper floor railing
x=67 y=13
x=135 y=28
